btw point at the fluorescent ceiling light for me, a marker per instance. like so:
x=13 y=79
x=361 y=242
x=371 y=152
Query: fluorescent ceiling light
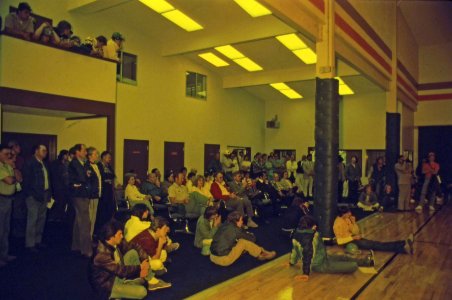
x=253 y=8
x=280 y=86
x=213 y=59
x=344 y=89
x=248 y=64
x=286 y=90
x=159 y=6
x=182 y=20
x=306 y=55
x=229 y=52
x=291 y=41
x=291 y=94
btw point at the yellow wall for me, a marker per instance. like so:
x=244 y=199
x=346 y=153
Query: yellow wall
x=362 y=123
x=35 y=67
x=90 y=131
x=372 y=12
x=431 y=113
x=407 y=128
x=407 y=48
x=435 y=63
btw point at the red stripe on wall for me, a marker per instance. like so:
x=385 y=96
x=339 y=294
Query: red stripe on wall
x=407 y=74
x=359 y=39
x=319 y=4
x=435 y=97
x=407 y=87
x=365 y=26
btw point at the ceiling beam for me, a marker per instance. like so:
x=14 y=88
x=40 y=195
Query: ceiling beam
x=257 y=30
x=282 y=75
x=92 y=6
x=295 y=14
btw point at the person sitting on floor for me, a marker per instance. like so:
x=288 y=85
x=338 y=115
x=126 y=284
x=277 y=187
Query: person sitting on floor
x=139 y=221
x=154 y=242
x=133 y=195
x=298 y=209
x=347 y=231
x=388 y=198
x=231 y=240
x=206 y=227
x=368 y=200
x=119 y=269
x=308 y=247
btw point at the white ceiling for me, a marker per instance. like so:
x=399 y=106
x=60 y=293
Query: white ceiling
x=42 y=112
x=429 y=21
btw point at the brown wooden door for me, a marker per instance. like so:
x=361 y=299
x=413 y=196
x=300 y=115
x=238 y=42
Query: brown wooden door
x=209 y=154
x=136 y=157
x=28 y=140
x=174 y=156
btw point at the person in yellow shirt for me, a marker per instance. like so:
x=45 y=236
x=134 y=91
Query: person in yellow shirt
x=114 y=45
x=133 y=195
x=347 y=231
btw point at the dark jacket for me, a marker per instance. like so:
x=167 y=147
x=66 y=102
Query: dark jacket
x=78 y=179
x=148 y=188
x=103 y=269
x=93 y=181
x=309 y=244
x=59 y=174
x=226 y=238
x=214 y=166
x=293 y=216
x=33 y=179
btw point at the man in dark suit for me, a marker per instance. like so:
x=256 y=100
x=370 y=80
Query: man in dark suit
x=78 y=186
x=36 y=186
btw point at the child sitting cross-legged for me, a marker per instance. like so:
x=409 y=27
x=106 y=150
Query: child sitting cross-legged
x=308 y=248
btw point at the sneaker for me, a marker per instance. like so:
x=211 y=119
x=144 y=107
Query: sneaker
x=161 y=272
x=409 y=244
x=412 y=201
x=173 y=247
x=371 y=258
x=381 y=209
x=419 y=207
x=252 y=224
x=431 y=208
x=266 y=255
x=159 y=285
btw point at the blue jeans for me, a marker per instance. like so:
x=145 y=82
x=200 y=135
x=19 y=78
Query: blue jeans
x=5 y=220
x=130 y=289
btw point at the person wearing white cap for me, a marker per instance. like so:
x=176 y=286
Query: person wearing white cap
x=228 y=165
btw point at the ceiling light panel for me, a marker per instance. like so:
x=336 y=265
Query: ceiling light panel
x=182 y=20
x=306 y=55
x=253 y=8
x=229 y=52
x=213 y=59
x=159 y=6
x=248 y=64
x=291 y=41
x=280 y=86
x=291 y=94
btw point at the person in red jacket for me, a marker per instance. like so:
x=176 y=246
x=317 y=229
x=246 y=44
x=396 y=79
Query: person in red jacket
x=219 y=191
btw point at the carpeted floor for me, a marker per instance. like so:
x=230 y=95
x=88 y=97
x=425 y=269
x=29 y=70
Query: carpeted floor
x=56 y=273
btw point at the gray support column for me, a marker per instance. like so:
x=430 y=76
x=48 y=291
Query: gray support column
x=392 y=147
x=326 y=153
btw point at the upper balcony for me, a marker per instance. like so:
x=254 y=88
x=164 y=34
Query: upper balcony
x=33 y=66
